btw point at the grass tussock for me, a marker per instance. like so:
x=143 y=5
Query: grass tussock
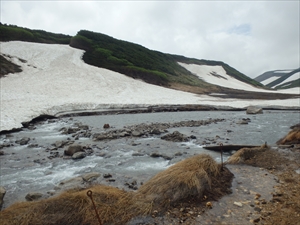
x=188 y=178
x=114 y=206
x=293 y=137
x=245 y=154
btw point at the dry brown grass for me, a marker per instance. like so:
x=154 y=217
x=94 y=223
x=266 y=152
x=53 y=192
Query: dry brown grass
x=190 y=177
x=246 y=153
x=75 y=207
x=293 y=137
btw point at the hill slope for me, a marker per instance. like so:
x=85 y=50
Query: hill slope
x=280 y=79
x=55 y=80
x=127 y=58
x=139 y=62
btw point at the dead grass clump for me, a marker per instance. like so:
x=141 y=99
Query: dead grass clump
x=188 y=178
x=293 y=137
x=246 y=153
x=114 y=206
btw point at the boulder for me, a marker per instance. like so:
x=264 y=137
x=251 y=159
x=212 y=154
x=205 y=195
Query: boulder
x=90 y=176
x=254 y=110
x=176 y=137
x=136 y=133
x=73 y=149
x=79 y=155
x=33 y=196
x=23 y=141
x=106 y=126
x=243 y=121
x=2 y=194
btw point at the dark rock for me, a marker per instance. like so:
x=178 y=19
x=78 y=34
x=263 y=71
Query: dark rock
x=243 y=121
x=257 y=209
x=69 y=130
x=155 y=155
x=33 y=196
x=111 y=180
x=23 y=141
x=176 y=137
x=33 y=145
x=108 y=175
x=167 y=157
x=73 y=149
x=79 y=155
x=155 y=131
x=5 y=145
x=83 y=127
x=106 y=126
x=1 y=152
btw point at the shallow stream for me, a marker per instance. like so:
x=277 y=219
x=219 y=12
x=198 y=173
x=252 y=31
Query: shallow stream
x=28 y=168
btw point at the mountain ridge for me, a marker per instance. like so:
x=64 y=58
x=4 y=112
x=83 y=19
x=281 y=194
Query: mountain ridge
x=280 y=79
x=125 y=57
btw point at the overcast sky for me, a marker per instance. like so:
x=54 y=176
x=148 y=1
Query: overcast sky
x=251 y=36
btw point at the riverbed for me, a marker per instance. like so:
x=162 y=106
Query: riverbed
x=40 y=164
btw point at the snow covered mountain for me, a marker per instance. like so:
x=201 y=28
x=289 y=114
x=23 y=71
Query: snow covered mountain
x=55 y=79
x=280 y=79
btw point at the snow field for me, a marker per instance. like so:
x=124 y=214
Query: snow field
x=55 y=79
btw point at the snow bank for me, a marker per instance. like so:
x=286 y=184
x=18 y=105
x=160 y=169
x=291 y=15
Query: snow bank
x=295 y=76
x=218 y=76
x=55 y=79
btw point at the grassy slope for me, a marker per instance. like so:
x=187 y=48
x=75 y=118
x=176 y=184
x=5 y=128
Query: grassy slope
x=294 y=83
x=135 y=60
x=139 y=62
x=15 y=33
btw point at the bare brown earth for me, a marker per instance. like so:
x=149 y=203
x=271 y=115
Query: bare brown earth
x=283 y=208
x=231 y=93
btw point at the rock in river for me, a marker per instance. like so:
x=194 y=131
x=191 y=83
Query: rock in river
x=73 y=149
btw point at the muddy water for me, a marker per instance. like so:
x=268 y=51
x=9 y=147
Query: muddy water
x=29 y=168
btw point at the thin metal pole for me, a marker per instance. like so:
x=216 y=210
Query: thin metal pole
x=90 y=195
x=221 y=150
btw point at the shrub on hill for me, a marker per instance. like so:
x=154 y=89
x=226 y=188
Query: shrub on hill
x=15 y=33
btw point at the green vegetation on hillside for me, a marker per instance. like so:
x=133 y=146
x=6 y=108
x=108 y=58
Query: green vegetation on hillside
x=15 y=33
x=139 y=62
x=229 y=70
x=131 y=59
x=283 y=78
x=124 y=57
x=291 y=84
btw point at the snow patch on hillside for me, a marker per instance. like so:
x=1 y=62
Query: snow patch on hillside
x=218 y=76
x=55 y=79
x=269 y=80
x=295 y=76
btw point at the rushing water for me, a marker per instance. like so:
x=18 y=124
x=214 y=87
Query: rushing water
x=28 y=169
